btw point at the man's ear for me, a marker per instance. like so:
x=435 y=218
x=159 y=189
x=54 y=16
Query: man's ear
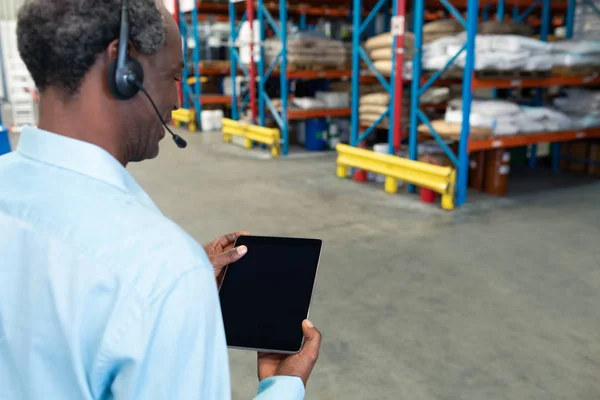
x=113 y=50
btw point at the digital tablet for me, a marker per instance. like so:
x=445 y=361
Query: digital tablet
x=266 y=294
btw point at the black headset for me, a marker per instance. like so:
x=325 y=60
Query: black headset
x=126 y=75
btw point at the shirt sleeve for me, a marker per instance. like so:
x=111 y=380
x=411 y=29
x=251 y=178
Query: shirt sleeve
x=281 y=387
x=175 y=347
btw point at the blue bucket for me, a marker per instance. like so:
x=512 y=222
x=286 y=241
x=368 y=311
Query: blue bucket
x=316 y=135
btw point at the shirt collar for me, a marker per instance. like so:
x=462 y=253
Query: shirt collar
x=80 y=157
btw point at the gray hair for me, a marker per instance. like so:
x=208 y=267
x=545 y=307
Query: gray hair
x=59 y=40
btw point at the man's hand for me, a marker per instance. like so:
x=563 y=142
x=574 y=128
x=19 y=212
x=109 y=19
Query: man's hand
x=300 y=364
x=221 y=253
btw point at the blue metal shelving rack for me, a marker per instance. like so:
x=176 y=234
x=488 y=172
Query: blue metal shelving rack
x=461 y=160
x=4 y=142
x=393 y=86
x=191 y=93
x=236 y=64
x=265 y=19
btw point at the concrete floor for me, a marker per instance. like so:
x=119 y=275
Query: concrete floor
x=498 y=300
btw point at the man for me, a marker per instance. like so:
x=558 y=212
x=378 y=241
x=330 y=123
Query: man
x=102 y=297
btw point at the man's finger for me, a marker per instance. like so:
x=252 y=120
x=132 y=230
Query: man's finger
x=312 y=340
x=230 y=238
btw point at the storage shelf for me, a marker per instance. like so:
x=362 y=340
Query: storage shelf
x=479 y=83
x=532 y=138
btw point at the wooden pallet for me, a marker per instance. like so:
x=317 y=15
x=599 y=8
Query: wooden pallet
x=315 y=67
x=583 y=70
x=449 y=74
x=511 y=74
x=215 y=64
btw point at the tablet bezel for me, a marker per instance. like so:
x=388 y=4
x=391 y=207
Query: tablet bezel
x=314 y=286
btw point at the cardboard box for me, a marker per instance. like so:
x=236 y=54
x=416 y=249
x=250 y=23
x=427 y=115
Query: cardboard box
x=575 y=154
x=594 y=166
x=436 y=159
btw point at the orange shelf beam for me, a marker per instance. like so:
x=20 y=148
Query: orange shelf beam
x=207 y=99
x=531 y=138
x=321 y=113
x=309 y=10
x=503 y=83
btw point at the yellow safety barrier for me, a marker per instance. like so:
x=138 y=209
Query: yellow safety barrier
x=439 y=179
x=252 y=133
x=185 y=116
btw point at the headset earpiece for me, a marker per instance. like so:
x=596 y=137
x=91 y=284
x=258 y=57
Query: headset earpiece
x=122 y=81
x=125 y=74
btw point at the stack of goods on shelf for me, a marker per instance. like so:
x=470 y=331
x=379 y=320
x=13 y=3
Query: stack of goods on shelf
x=380 y=52
x=587 y=20
x=310 y=51
x=502 y=46
x=439 y=29
x=213 y=47
x=575 y=57
x=509 y=53
x=499 y=118
x=582 y=106
x=374 y=104
x=322 y=100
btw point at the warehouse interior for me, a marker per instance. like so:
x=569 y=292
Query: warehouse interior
x=446 y=152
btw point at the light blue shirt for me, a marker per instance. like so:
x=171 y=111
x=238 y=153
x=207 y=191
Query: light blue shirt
x=102 y=296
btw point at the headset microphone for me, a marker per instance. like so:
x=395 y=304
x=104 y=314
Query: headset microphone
x=179 y=141
x=126 y=75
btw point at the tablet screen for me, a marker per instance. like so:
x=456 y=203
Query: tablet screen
x=266 y=295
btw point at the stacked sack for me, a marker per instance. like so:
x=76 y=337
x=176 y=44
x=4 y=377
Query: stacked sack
x=374 y=104
x=575 y=56
x=309 y=49
x=380 y=51
x=441 y=28
x=499 y=46
x=494 y=52
x=499 y=118
x=582 y=106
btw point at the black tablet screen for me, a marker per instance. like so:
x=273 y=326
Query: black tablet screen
x=266 y=295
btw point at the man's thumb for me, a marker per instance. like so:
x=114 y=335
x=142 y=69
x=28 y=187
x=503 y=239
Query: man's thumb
x=312 y=336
